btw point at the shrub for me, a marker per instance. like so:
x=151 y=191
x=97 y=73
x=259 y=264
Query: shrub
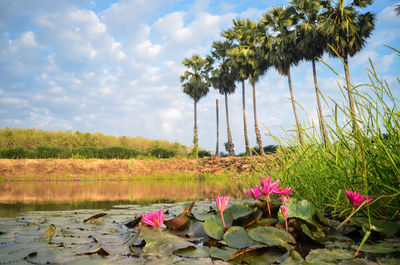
x=52 y=152
x=204 y=153
x=85 y=152
x=13 y=153
x=116 y=152
x=161 y=152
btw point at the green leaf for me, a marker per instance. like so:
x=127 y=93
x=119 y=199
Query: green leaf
x=390 y=229
x=328 y=256
x=378 y=248
x=193 y=252
x=304 y=210
x=224 y=254
x=163 y=237
x=259 y=257
x=272 y=236
x=239 y=210
x=237 y=237
x=214 y=228
x=50 y=232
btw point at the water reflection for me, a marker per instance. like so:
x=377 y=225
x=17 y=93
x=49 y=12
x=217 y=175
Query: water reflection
x=17 y=196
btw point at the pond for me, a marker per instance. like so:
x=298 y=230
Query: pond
x=23 y=196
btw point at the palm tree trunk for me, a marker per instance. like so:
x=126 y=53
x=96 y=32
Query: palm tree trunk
x=350 y=94
x=299 y=129
x=195 y=137
x=246 y=137
x=217 y=148
x=321 y=116
x=228 y=128
x=258 y=135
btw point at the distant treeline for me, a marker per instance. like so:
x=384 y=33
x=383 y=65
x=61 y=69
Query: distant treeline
x=35 y=143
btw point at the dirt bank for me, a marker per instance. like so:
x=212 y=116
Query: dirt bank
x=97 y=168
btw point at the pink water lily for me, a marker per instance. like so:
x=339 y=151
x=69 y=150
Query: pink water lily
x=283 y=191
x=268 y=188
x=255 y=193
x=155 y=219
x=222 y=202
x=356 y=198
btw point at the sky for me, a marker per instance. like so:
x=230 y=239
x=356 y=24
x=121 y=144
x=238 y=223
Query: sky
x=113 y=66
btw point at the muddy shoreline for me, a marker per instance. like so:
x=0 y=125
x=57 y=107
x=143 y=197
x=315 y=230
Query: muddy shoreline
x=27 y=169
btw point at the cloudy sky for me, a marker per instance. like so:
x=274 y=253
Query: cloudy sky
x=113 y=66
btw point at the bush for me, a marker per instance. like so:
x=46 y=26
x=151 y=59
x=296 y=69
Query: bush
x=85 y=152
x=13 y=153
x=52 y=152
x=161 y=152
x=204 y=153
x=116 y=152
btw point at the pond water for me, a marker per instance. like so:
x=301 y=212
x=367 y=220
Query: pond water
x=23 y=196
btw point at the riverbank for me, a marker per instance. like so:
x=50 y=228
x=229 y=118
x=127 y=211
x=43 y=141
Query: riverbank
x=39 y=169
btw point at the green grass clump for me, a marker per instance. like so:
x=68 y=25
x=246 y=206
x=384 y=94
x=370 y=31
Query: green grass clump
x=366 y=160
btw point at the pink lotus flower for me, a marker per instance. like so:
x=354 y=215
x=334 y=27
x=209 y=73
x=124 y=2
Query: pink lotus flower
x=222 y=202
x=155 y=219
x=285 y=213
x=268 y=188
x=355 y=198
x=255 y=193
x=284 y=199
x=283 y=191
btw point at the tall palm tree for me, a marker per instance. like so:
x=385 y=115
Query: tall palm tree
x=223 y=79
x=195 y=83
x=312 y=42
x=347 y=30
x=247 y=54
x=282 y=49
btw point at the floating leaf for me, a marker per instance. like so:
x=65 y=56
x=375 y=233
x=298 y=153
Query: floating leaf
x=177 y=242
x=390 y=229
x=179 y=223
x=159 y=247
x=193 y=252
x=237 y=237
x=304 y=210
x=224 y=254
x=378 y=248
x=259 y=257
x=214 y=228
x=272 y=236
x=328 y=256
x=239 y=210
x=50 y=232
x=203 y=215
x=134 y=222
x=94 y=219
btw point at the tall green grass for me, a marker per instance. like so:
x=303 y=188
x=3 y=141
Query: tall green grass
x=366 y=160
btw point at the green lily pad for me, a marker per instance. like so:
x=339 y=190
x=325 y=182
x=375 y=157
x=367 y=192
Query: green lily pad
x=239 y=210
x=328 y=256
x=237 y=237
x=304 y=210
x=159 y=247
x=193 y=252
x=214 y=228
x=390 y=229
x=203 y=215
x=272 y=236
x=163 y=237
x=224 y=254
x=378 y=248
x=259 y=257
x=293 y=258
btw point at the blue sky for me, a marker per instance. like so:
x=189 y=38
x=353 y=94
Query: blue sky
x=113 y=67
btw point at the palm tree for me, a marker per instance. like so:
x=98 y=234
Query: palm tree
x=282 y=50
x=312 y=43
x=247 y=54
x=223 y=79
x=195 y=83
x=347 y=31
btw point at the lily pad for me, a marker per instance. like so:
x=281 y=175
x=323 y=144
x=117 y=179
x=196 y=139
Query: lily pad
x=328 y=256
x=390 y=229
x=272 y=236
x=193 y=252
x=237 y=237
x=203 y=215
x=214 y=228
x=224 y=254
x=239 y=210
x=153 y=236
x=259 y=257
x=378 y=248
x=306 y=211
